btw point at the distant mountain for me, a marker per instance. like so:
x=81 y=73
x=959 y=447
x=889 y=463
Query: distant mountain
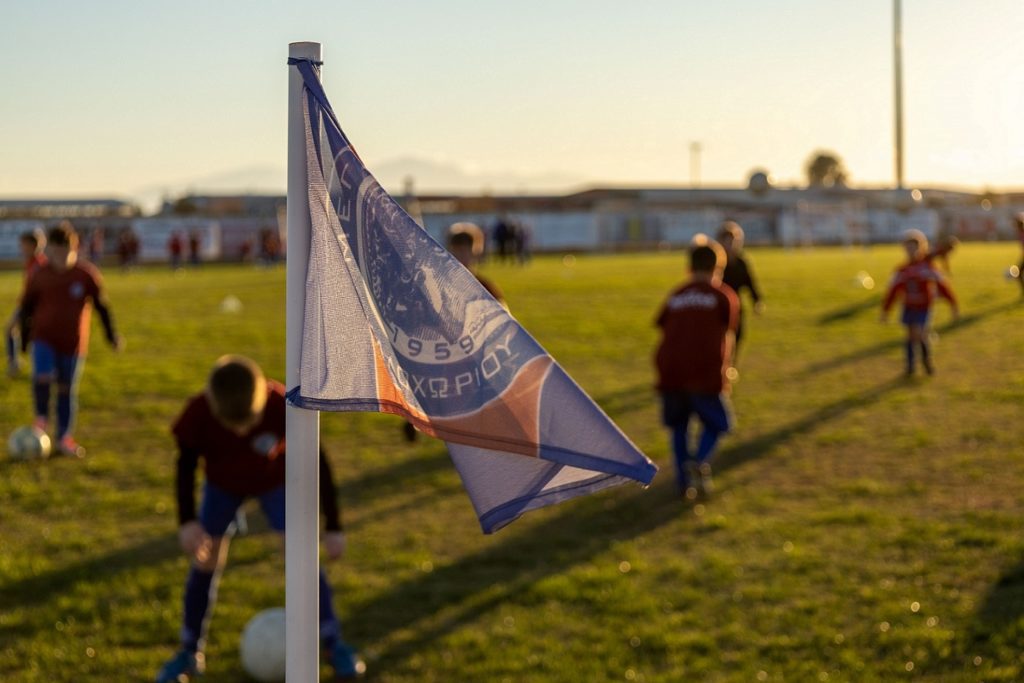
x=435 y=177
x=428 y=177
x=251 y=180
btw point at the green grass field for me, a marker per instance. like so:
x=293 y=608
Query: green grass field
x=865 y=527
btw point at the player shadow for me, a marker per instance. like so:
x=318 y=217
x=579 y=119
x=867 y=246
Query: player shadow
x=850 y=311
x=965 y=321
x=997 y=620
x=410 y=618
x=733 y=455
x=57 y=584
x=626 y=400
x=1003 y=607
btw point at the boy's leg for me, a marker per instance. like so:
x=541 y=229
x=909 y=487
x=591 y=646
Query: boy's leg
x=69 y=369
x=273 y=506
x=342 y=657
x=216 y=514
x=11 y=346
x=681 y=450
x=676 y=416
x=716 y=420
x=44 y=367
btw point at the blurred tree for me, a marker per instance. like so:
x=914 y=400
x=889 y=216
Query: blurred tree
x=825 y=169
x=185 y=207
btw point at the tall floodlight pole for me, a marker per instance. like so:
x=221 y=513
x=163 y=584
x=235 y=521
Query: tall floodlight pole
x=897 y=47
x=302 y=427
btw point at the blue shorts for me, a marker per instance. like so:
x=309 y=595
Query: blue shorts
x=47 y=363
x=219 y=508
x=914 y=317
x=711 y=409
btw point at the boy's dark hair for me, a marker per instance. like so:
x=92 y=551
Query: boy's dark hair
x=707 y=258
x=236 y=389
x=466 y=235
x=29 y=237
x=461 y=239
x=63 y=235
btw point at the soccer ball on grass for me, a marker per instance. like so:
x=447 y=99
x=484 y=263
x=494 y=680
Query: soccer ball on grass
x=262 y=647
x=26 y=443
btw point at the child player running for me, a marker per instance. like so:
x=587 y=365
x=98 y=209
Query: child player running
x=237 y=427
x=58 y=300
x=698 y=324
x=738 y=275
x=15 y=334
x=917 y=282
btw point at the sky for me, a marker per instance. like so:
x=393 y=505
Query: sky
x=120 y=99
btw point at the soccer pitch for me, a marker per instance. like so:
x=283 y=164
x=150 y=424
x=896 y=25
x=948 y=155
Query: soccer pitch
x=865 y=527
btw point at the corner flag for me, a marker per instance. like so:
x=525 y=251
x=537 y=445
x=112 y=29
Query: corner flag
x=393 y=323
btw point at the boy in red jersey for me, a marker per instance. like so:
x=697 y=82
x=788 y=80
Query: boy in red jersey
x=16 y=334
x=58 y=300
x=237 y=426
x=698 y=324
x=918 y=283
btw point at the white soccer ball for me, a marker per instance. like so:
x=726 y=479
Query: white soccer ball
x=26 y=443
x=262 y=647
x=1012 y=273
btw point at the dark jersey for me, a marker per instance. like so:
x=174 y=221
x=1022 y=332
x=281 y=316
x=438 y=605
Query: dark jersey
x=249 y=464
x=60 y=302
x=737 y=276
x=694 y=322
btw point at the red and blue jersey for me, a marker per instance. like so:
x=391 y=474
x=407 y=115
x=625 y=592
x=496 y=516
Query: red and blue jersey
x=694 y=322
x=918 y=283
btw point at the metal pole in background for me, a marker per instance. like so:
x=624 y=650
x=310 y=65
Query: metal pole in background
x=302 y=427
x=897 y=49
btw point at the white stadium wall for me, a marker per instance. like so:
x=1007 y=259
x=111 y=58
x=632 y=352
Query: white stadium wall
x=10 y=233
x=154 y=233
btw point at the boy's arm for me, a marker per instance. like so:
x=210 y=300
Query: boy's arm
x=890 y=296
x=334 y=537
x=185 y=484
x=947 y=293
x=100 y=304
x=748 y=280
x=329 y=495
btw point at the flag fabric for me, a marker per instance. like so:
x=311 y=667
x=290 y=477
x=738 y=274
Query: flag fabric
x=395 y=324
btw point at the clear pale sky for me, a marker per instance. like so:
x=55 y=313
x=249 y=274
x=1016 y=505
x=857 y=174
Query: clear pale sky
x=107 y=98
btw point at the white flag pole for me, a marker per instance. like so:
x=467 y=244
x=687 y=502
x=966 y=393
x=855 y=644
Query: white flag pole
x=302 y=427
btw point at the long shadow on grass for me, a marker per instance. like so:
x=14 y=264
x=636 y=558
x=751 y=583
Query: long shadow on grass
x=965 y=321
x=999 y=616
x=996 y=631
x=99 y=569
x=751 y=449
x=850 y=311
x=627 y=399
x=411 y=617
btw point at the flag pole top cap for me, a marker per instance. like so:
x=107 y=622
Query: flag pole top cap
x=305 y=50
